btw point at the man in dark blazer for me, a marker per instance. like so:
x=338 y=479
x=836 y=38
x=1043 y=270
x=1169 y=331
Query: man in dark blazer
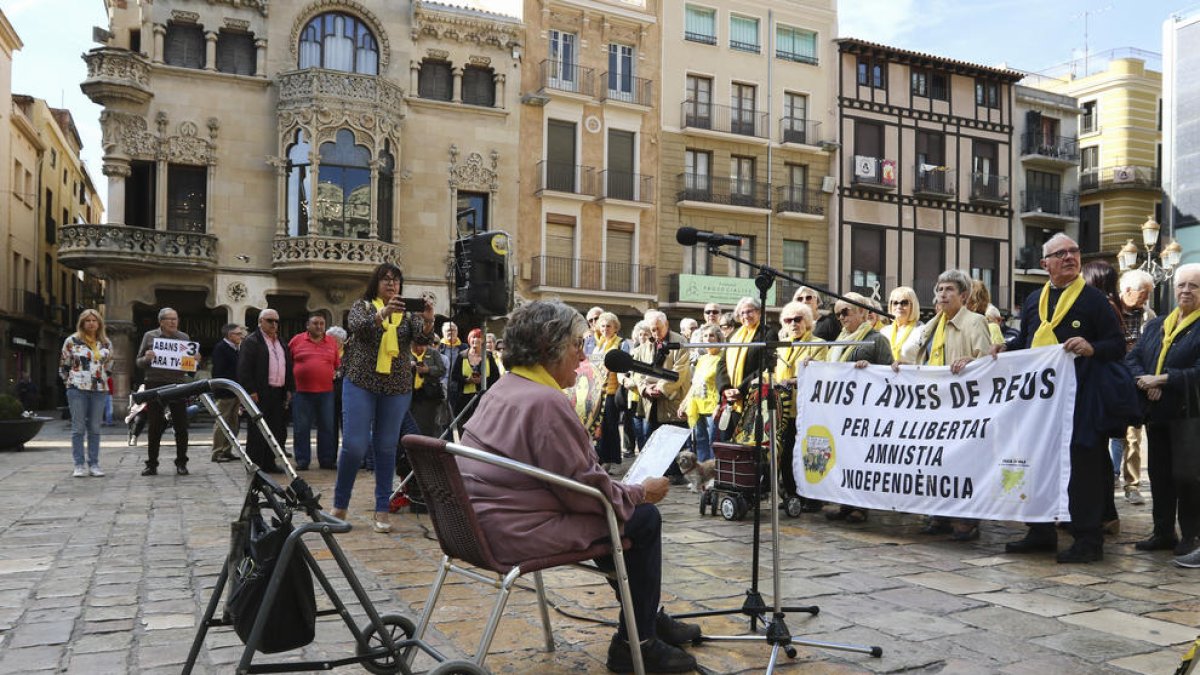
x=265 y=370
x=224 y=365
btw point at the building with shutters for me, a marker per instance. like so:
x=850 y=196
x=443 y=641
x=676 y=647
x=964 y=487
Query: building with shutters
x=1180 y=127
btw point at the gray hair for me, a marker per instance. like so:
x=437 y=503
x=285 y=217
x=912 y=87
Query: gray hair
x=688 y=321
x=958 y=278
x=539 y=333
x=747 y=300
x=1136 y=280
x=654 y=317
x=993 y=314
x=798 y=307
x=337 y=332
x=1189 y=268
x=1058 y=237
x=609 y=317
x=162 y=313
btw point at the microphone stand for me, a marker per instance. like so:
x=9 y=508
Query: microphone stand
x=777 y=633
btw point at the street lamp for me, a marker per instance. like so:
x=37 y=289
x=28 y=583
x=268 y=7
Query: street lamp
x=1170 y=255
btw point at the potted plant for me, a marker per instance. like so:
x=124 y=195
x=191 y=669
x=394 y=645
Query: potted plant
x=17 y=426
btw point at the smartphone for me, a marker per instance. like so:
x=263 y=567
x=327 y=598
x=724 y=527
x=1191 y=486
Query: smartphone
x=414 y=304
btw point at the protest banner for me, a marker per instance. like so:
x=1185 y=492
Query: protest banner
x=175 y=354
x=992 y=442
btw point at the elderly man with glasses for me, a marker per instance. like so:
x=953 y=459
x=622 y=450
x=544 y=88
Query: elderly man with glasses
x=168 y=327
x=712 y=314
x=826 y=326
x=265 y=371
x=1069 y=312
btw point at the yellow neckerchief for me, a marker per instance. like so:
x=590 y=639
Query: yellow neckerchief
x=418 y=379
x=735 y=358
x=448 y=343
x=855 y=337
x=937 y=348
x=1045 y=332
x=536 y=373
x=603 y=347
x=703 y=397
x=878 y=324
x=389 y=345
x=92 y=344
x=898 y=340
x=468 y=370
x=1172 y=331
x=995 y=333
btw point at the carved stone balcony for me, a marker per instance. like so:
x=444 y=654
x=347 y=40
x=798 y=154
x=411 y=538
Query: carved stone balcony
x=331 y=262
x=116 y=75
x=112 y=251
x=314 y=86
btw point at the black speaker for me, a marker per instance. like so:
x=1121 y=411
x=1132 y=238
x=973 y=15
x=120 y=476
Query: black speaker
x=481 y=275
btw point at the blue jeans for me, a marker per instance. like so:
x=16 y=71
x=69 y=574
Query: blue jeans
x=1116 y=450
x=309 y=407
x=702 y=437
x=641 y=431
x=370 y=422
x=108 y=409
x=87 y=408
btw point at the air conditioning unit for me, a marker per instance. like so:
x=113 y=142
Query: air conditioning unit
x=828 y=185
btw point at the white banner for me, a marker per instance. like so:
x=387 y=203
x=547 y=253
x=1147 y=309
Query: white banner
x=992 y=442
x=175 y=354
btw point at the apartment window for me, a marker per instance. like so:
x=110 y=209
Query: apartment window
x=563 y=55
x=385 y=193
x=985 y=182
x=699 y=102
x=1088 y=120
x=745 y=252
x=187 y=190
x=344 y=188
x=868 y=139
x=920 y=83
x=796 y=198
x=339 y=41
x=560 y=155
x=53 y=158
x=183 y=45
x=743 y=33
x=700 y=25
x=795 y=257
x=619 y=272
x=1089 y=167
x=742 y=109
x=1089 y=228
x=620 y=72
x=987 y=94
x=795 y=44
x=872 y=73
x=929 y=259
x=741 y=180
x=140 y=190
x=560 y=250
x=866 y=260
x=930 y=84
x=236 y=53
x=298 y=186
x=621 y=182
x=51 y=226
x=435 y=80
x=985 y=264
x=931 y=162
x=696 y=260
x=697 y=176
x=795 y=118
x=18 y=187
x=478 y=86
x=472 y=213
x=1043 y=192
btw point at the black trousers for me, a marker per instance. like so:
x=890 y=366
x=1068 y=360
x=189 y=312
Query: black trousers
x=1087 y=495
x=643 y=563
x=609 y=446
x=157 y=420
x=1174 y=484
x=272 y=401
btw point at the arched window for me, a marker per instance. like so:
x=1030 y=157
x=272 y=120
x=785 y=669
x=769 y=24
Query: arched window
x=383 y=207
x=344 y=189
x=338 y=41
x=298 y=186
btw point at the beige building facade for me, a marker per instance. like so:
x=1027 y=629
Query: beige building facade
x=749 y=145
x=270 y=154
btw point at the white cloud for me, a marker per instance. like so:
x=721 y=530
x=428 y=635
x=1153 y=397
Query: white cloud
x=884 y=21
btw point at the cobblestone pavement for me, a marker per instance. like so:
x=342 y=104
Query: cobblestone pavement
x=111 y=575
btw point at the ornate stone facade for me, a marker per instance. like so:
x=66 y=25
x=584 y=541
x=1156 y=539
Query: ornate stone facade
x=138 y=248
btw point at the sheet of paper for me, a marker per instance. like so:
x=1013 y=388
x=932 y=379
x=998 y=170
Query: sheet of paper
x=654 y=459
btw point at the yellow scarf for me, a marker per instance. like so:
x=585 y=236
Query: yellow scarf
x=857 y=336
x=418 y=379
x=467 y=371
x=94 y=345
x=1171 y=330
x=937 y=348
x=1045 y=332
x=735 y=357
x=389 y=345
x=703 y=397
x=537 y=373
x=448 y=343
x=603 y=347
x=898 y=340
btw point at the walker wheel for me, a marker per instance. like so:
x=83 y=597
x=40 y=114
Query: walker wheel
x=729 y=508
x=400 y=628
x=704 y=495
x=458 y=668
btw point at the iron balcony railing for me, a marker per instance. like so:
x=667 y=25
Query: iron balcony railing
x=989 y=188
x=795 y=56
x=568 y=76
x=935 y=181
x=721 y=190
x=798 y=199
x=874 y=172
x=634 y=187
x=626 y=88
x=752 y=47
x=798 y=130
x=564 y=177
x=703 y=38
x=593 y=275
x=727 y=119
x=1050 y=202
x=1065 y=148
x=1125 y=177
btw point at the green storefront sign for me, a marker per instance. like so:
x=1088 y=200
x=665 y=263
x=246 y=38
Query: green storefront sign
x=721 y=290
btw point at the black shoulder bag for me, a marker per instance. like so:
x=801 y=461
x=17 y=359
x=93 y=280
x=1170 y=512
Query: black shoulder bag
x=292 y=615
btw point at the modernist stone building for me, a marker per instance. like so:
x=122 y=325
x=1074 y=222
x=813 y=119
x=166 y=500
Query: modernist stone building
x=262 y=153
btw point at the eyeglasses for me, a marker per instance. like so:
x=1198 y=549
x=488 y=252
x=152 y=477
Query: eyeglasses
x=900 y=303
x=712 y=311
x=1062 y=254
x=265 y=320
x=579 y=343
x=389 y=280
x=843 y=312
x=791 y=319
x=592 y=319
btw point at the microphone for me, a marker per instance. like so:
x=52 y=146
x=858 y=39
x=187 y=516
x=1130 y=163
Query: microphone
x=689 y=236
x=618 y=361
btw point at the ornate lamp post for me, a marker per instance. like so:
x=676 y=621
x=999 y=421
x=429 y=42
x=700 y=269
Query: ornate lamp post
x=1169 y=256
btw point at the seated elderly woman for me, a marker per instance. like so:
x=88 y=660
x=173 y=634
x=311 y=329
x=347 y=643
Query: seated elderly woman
x=526 y=417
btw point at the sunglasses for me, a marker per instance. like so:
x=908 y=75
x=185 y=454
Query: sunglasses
x=843 y=312
x=806 y=298
x=791 y=319
x=271 y=320
x=712 y=311
x=900 y=303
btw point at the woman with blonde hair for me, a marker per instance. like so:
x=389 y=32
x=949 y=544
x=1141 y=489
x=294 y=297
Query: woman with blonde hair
x=84 y=367
x=906 y=327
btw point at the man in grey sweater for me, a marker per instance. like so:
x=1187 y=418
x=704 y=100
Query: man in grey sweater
x=168 y=327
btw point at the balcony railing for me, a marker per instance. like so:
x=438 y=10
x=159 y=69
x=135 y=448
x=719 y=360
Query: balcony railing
x=1051 y=203
x=797 y=199
x=795 y=56
x=752 y=47
x=117 y=74
x=702 y=38
x=563 y=177
x=593 y=275
x=105 y=248
x=935 y=181
x=314 y=253
x=312 y=87
x=874 y=172
x=1062 y=148
x=798 y=130
x=989 y=188
x=723 y=118
x=568 y=76
x=633 y=187
x=720 y=190
x=627 y=89
x=1126 y=177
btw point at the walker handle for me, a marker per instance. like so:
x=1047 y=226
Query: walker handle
x=171 y=392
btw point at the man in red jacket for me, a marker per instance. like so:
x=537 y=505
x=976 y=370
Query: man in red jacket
x=314 y=360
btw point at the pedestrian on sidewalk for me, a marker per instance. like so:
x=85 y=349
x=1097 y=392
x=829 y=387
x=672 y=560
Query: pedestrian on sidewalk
x=84 y=368
x=224 y=366
x=315 y=362
x=168 y=327
x=265 y=372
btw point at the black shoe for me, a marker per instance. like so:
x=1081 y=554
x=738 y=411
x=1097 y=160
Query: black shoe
x=181 y=469
x=150 y=471
x=223 y=457
x=937 y=526
x=1157 y=542
x=1186 y=545
x=1081 y=553
x=1031 y=545
x=673 y=631
x=657 y=656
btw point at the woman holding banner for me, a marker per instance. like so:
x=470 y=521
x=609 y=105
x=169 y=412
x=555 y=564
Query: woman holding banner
x=1166 y=363
x=740 y=370
x=905 y=329
x=797 y=320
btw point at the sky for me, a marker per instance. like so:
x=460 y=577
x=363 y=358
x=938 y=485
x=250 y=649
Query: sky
x=1029 y=35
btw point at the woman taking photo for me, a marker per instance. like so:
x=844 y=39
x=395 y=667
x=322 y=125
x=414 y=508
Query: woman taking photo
x=377 y=386
x=84 y=369
x=471 y=367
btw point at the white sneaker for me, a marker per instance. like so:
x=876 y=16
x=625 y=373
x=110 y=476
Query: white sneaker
x=1133 y=496
x=95 y=470
x=1191 y=560
x=80 y=471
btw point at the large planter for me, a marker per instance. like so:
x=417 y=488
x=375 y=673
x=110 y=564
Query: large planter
x=15 y=433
